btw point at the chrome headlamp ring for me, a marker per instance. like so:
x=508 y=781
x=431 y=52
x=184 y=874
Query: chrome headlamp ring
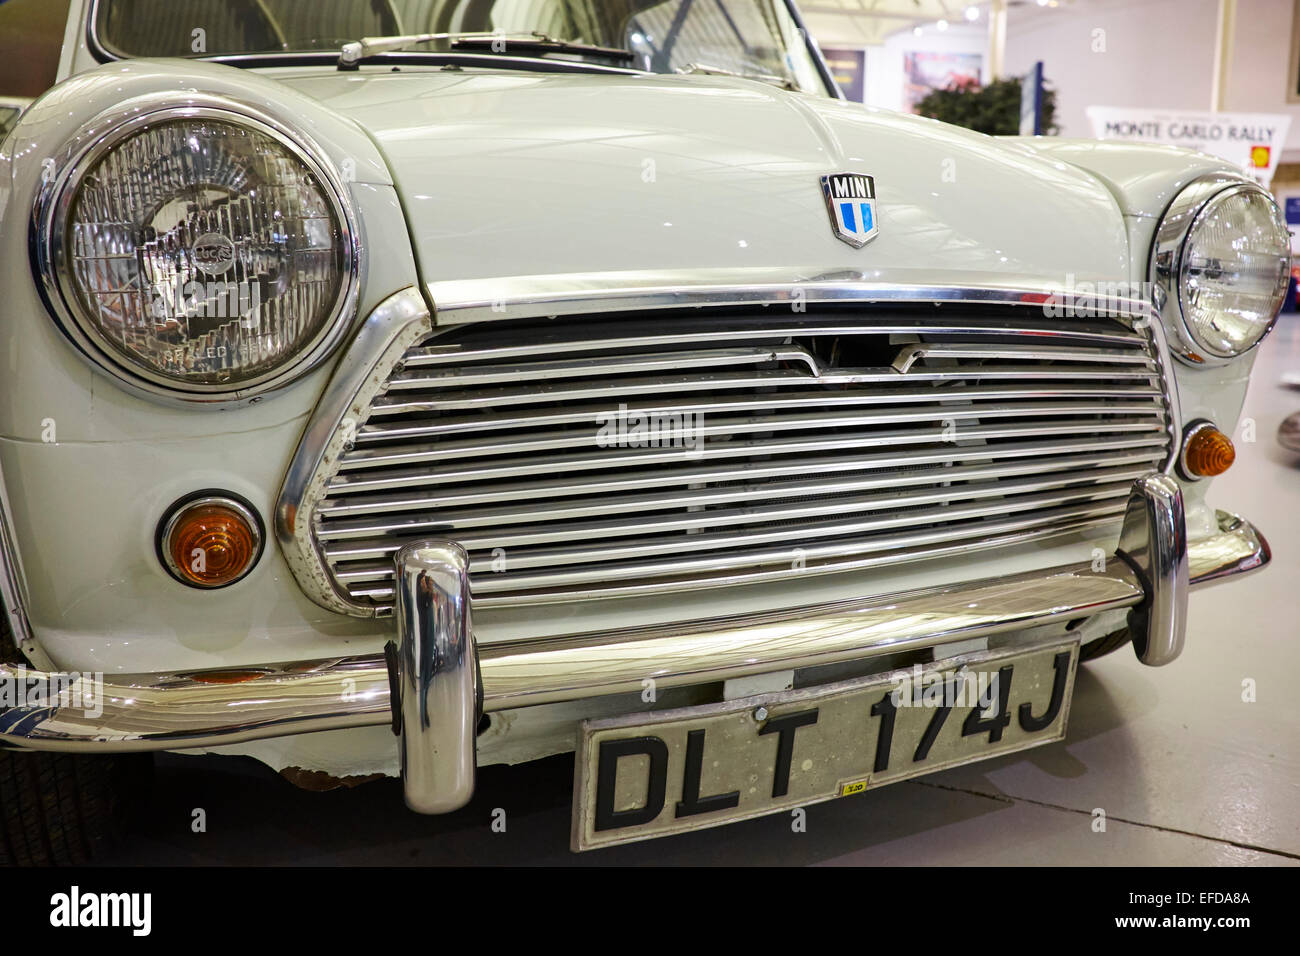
x=50 y=254
x=1166 y=261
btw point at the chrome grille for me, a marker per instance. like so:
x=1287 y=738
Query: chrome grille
x=787 y=445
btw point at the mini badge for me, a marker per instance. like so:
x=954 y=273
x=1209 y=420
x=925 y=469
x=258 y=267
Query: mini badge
x=851 y=201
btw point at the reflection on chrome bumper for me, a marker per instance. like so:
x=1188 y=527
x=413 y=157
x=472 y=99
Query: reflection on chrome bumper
x=1154 y=543
x=1237 y=549
x=445 y=682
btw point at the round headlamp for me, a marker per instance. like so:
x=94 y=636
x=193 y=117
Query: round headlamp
x=1222 y=259
x=198 y=250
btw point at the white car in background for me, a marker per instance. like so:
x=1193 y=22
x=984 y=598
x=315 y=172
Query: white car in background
x=582 y=375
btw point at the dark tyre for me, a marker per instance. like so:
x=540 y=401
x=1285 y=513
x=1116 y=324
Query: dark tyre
x=1104 y=645
x=58 y=809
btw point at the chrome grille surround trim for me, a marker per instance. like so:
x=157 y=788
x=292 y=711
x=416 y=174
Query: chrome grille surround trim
x=15 y=627
x=391 y=333
x=395 y=324
x=484 y=300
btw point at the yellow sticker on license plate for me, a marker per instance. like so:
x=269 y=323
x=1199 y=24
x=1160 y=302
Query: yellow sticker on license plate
x=647 y=775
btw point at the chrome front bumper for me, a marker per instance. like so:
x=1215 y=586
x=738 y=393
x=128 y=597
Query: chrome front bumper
x=435 y=683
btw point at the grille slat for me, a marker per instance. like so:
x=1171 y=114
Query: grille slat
x=614 y=391
x=379 y=431
x=422 y=478
x=697 y=450
x=677 y=498
x=469 y=531
x=910 y=354
x=722 y=426
x=608 y=459
x=620 y=365
x=840 y=555
x=723 y=331
x=730 y=484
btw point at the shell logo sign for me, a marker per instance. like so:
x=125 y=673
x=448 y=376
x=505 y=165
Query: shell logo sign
x=1252 y=141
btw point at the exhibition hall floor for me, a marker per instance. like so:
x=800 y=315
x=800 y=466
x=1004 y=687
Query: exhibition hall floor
x=1186 y=772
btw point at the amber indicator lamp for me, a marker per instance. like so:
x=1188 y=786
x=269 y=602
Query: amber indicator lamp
x=1206 y=451
x=210 y=540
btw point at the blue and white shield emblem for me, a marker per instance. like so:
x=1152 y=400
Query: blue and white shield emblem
x=851 y=201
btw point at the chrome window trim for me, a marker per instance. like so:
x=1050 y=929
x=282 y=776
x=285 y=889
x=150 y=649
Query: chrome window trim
x=833 y=90
x=403 y=319
x=1166 y=259
x=101 y=134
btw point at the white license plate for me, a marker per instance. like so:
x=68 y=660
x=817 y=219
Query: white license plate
x=648 y=775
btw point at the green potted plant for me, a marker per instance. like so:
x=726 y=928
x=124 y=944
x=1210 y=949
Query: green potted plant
x=992 y=109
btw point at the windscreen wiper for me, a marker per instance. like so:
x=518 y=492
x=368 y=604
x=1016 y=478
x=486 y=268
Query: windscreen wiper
x=539 y=43
x=719 y=71
x=351 y=54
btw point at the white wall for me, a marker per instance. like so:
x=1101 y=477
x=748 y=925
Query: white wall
x=1261 y=63
x=885 y=63
x=1158 y=54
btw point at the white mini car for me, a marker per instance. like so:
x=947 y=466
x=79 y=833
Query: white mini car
x=398 y=388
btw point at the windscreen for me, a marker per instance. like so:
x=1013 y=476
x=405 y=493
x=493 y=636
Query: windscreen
x=749 y=37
